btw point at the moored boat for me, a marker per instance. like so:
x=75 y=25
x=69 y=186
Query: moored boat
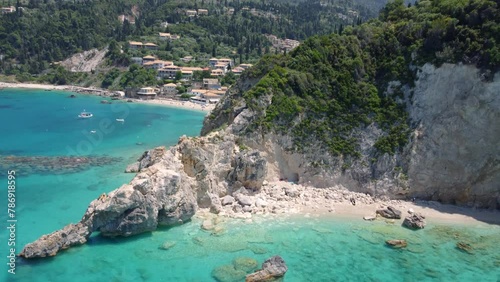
x=85 y=114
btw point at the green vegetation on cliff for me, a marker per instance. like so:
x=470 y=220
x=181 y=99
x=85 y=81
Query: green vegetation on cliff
x=331 y=85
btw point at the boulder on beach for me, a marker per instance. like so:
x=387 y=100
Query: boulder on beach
x=369 y=217
x=390 y=212
x=414 y=221
x=227 y=200
x=272 y=268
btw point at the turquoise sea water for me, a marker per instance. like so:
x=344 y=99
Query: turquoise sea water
x=41 y=123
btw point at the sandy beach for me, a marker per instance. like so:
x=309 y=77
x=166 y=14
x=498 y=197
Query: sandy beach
x=162 y=102
x=37 y=86
x=288 y=199
x=433 y=211
x=177 y=104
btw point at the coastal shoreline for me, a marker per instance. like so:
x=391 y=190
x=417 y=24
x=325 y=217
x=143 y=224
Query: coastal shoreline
x=340 y=203
x=434 y=211
x=187 y=105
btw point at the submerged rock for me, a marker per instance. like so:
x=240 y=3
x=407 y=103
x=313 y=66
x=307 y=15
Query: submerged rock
x=465 y=247
x=390 y=212
x=414 y=221
x=228 y=273
x=258 y=250
x=272 y=268
x=245 y=264
x=167 y=245
x=397 y=244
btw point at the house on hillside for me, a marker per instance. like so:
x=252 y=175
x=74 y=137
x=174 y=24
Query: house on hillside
x=237 y=70
x=226 y=61
x=157 y=64
x=187 y=72
x=150 y=46
x=8 y=10
x=212 y=62
x=170 y=89
x=222 y=66
x=147 y=59
x=211 y=83
x=202 y=12
x=168 y=71
x=135 y=45
x=191 y=13
x=164 y=35
x=217 y=72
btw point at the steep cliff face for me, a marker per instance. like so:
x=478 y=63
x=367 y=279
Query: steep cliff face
x=453 y=154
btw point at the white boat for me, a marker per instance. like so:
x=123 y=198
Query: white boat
x=85 y=114
x=93 y=131
x=120 y=120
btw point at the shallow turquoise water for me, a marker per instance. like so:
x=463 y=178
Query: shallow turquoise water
x=315 y=249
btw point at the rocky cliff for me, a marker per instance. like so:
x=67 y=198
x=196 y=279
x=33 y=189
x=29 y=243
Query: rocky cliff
x=453 y=154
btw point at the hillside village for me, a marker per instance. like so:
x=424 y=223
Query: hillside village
x=135 y=46
x=201 y=83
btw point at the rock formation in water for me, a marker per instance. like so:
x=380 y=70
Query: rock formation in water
x=272 y=268
x=169 y=188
